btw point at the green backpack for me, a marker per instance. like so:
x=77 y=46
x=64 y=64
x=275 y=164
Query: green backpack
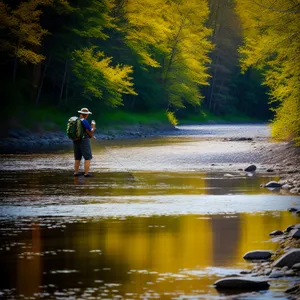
x=74 y=129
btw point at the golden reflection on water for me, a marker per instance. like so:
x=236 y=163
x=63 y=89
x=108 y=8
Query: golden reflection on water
x=145 y=253
x=30 y=269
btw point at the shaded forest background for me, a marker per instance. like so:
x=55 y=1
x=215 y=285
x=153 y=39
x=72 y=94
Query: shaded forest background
x=196 y=60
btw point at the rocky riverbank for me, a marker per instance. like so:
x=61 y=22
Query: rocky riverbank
x=25 y=141
x=283 y=263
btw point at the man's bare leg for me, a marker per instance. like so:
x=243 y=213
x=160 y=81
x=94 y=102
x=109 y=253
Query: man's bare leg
x=76 y=166
x=87 y=164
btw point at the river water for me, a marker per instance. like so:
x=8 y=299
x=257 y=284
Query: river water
x=162 y=218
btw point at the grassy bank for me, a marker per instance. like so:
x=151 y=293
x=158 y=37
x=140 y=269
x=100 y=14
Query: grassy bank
x=53 y=119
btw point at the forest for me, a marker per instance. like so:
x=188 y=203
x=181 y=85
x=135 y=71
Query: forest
x=181 y=58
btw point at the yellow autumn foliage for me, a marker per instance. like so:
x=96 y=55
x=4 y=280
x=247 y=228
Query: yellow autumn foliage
x=272 y=43
x=99 y=76
x=172 y=35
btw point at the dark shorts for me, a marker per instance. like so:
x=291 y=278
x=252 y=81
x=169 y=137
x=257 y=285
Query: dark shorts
x=82 y=148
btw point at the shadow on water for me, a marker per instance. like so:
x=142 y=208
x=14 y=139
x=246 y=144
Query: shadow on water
x=164 y=257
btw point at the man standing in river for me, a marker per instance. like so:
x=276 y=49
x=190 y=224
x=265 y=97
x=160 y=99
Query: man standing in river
x=82 y=147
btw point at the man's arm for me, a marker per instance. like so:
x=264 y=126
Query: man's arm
x=89 y=130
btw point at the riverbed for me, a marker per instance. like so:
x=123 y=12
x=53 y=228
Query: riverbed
x=162 y=217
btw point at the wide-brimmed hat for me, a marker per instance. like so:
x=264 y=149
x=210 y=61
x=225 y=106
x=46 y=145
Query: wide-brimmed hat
x=84 y=111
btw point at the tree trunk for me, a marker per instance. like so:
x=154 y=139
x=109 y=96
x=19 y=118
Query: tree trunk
x=15 y=69
x=37 y=100
x=67 y=89
x=210 y=96
x=63 y=83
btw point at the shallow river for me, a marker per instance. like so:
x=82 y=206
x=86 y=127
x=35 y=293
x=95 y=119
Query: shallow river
x=157 y=220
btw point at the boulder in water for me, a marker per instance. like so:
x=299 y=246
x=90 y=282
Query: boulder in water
x=241 y=283
x=258 y=254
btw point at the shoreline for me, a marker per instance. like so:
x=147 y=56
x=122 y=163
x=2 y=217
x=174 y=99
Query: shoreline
x=22 y=141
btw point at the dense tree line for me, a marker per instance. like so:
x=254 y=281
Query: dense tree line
x=148 y=55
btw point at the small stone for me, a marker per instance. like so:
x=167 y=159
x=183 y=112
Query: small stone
x=296 y=266
x=250 y=168
x=286 y=187
x=270 y=170
x=295 y=233
x=276 y=274
x=288 y=229
x=289 y=273
x=268 y=271
x=273 y=184
x=285 y=268
x=241 y=283
x=295 y=190
x=258 y=254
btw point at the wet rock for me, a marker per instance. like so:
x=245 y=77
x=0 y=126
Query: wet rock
x=276 y=274
x=288 y=259
x=245 y=272
x=286 y=187
x=273 y=184
x=295 y=190
x=251 y=168
x=276 y=232
x=289 y=228
x=295 y=233
x=241 y=283
x=284 y=268
x=258 y=254
x=293 y=290
x=270 y=170
x=228 y=175
x=296 y=266
x=261 y=272
x=289 y=273
x=268 y=271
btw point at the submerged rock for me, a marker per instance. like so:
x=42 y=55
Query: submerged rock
x=241 y=283
x=251 y=168
x=258 y=254
x=288 y=259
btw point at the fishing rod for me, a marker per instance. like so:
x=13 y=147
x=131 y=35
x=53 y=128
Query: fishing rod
x=109 y=152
